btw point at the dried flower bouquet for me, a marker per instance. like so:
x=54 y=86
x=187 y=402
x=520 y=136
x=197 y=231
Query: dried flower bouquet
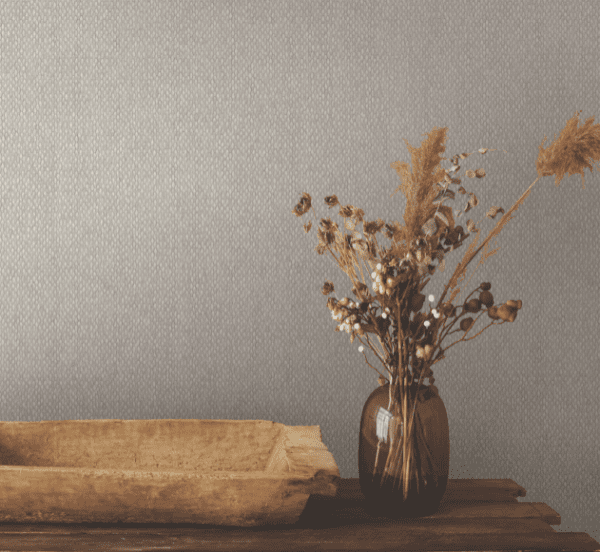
x=389 y=314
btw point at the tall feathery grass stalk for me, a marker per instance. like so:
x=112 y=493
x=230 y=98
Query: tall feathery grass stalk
x=399 y=274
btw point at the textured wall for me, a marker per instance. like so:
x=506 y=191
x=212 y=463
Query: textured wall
x=151 y=154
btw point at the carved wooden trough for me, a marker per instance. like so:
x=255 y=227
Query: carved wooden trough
x=225 y=472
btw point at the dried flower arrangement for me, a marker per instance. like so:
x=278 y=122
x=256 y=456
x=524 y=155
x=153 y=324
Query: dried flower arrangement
x=407 y=336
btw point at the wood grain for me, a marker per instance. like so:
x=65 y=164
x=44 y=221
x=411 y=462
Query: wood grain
x=222 y=472
x=470 y=520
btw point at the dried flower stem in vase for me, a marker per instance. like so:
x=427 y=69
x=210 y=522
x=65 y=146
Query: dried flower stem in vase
x=409 y=331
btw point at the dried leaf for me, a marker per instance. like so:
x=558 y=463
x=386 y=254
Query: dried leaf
x=429 y=228
x=442 y=218
x=331 y=201
x=358 y=215
x=493 y=211
x=442 y=196
x=462 y=191
x=307 y=226
x=303 y=205
x=346 y=211
x=471 y=226
x=453 y=295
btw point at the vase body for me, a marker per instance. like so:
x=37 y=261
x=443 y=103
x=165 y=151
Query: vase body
x=383 y=487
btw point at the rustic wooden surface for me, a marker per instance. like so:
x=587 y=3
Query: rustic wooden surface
x=476 y=514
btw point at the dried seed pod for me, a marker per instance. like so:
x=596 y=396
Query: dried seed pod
x=381 y=380
x=470 y=174
x=416 y=302
x=346 y=211
x=485 y=286
x=507 y=313
x=447 y=309
x=514 y=304
x=416 y=329
x=327 y=288
x=303 y=205
x=473 y=305
x=479 y=173
x=344 y=302
x=331 y=201
x=359 y=289
x=493 y=313
x=482 y=150
x=428 y=351
x=404 y=266
x=466 y=323
x=486 y=298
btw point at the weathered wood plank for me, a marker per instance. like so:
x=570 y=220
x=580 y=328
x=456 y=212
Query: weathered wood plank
x=478 y=489
x=352 y=538
x=338 y=523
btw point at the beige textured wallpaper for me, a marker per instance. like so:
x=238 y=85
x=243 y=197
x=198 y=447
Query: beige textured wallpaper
x=151 y=153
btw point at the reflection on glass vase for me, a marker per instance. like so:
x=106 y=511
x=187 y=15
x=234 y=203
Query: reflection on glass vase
x=403 y=477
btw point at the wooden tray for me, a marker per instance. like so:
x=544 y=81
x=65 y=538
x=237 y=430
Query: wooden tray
x=222 y=472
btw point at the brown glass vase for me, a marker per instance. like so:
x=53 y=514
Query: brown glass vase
x=382 y=484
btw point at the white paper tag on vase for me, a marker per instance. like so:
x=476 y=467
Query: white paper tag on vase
x=383 y=423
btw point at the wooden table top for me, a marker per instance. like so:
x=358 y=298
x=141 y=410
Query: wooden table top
x=475 y=514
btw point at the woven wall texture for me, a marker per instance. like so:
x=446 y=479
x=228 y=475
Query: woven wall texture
x=151 y=153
